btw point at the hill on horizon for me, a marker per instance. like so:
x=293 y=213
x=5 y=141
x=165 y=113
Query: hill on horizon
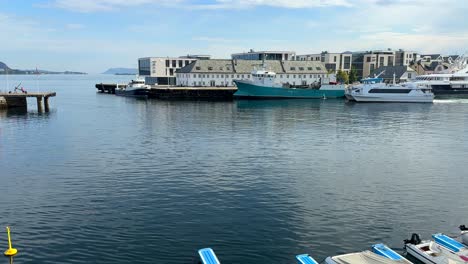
x=4 y=67
x=129 y=71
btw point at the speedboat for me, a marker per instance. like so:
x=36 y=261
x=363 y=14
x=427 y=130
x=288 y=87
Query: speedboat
x=464 y=234
x=136 y=88
x=443 y=250
x=379 y=254
x=374 y=90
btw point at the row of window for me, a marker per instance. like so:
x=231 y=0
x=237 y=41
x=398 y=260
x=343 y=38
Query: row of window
x=198 y=68
x=242 y=76
x=175 y=63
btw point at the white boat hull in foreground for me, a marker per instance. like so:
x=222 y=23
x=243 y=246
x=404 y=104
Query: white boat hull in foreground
x=444 y=251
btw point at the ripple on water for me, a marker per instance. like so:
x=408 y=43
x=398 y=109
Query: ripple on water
x=103 y=179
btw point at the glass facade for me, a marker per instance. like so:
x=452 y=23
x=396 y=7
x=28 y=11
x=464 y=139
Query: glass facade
x=144 y=67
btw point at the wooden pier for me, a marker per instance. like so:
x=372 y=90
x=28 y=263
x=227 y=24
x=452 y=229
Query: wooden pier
x=10 y=100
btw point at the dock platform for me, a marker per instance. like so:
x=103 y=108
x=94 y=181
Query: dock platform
x=10 y=100
x=200 y=93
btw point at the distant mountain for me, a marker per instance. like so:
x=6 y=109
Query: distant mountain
x=121 y=71
x=3 y=66
x=4 y=69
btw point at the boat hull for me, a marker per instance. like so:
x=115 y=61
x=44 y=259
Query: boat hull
x=249 y=90
x=447 y=91
x=140 y=93
x=394 y=99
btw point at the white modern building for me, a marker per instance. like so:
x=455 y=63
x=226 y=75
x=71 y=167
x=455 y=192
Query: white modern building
x=264 y=55
x=212 y=73
x=333 y=61
x=161 y=70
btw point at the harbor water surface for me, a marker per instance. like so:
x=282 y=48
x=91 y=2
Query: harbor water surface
x=107 y=179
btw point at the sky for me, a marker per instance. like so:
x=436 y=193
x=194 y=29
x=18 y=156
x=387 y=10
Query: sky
x=94 y=35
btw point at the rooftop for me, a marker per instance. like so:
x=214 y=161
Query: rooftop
x=247 y=66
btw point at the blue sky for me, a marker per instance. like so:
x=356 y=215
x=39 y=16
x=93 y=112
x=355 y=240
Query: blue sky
x=93 y=35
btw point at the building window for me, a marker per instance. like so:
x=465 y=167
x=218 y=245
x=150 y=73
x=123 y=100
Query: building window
x=181 y=64
x=287 y=76
x=334 y=58
x=167 y=63
x=187 y=62
x=309 y=68
x=228 y=68
x=210 y=68
x=232 y=76
x=281 y=76
x=198 y=68
x=318 y=68
x=294 y=76
x=310 y=76
x=368 y=59
x=301 y=68
x=174 y=63
x=171 y=72
x=293 y=68
x=220 y=68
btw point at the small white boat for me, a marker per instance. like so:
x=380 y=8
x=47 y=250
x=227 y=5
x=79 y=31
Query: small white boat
x=401 y=93
x=136 y=88
x=464 y=234
x=380 y=254
x=443 y=250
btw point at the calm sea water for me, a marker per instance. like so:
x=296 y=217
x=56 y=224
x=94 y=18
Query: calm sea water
x=106 y=179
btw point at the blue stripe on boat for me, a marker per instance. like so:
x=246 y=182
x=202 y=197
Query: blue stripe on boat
x=448 y=242
x=208 y=256
x=383 y=250
x=306 y=259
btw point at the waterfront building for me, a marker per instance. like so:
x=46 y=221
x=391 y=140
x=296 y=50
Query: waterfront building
x=403 y=73
x=161 y=70
x=365 y=62
x=333 y=61
x=264 y=55
x=433 y=63
x=405 y=57
x=212 y=73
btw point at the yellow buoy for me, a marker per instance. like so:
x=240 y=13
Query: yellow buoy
x=10 y=251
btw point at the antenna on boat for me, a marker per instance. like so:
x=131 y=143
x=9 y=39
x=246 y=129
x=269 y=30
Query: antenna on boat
x=378 y=75
x=394 y=82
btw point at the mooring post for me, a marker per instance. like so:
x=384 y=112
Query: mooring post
x=46 y=104
x=39 y=103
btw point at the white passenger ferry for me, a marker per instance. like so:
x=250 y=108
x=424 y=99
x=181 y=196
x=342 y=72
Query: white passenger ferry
x=374 y=90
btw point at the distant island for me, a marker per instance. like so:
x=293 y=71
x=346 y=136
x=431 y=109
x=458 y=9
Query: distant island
x=4 y=69
x=121 y=71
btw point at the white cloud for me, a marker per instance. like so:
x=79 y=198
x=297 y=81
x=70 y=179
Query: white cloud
x=112 y=5
x=236 y=4
x=105 y=5
x=73 y=26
